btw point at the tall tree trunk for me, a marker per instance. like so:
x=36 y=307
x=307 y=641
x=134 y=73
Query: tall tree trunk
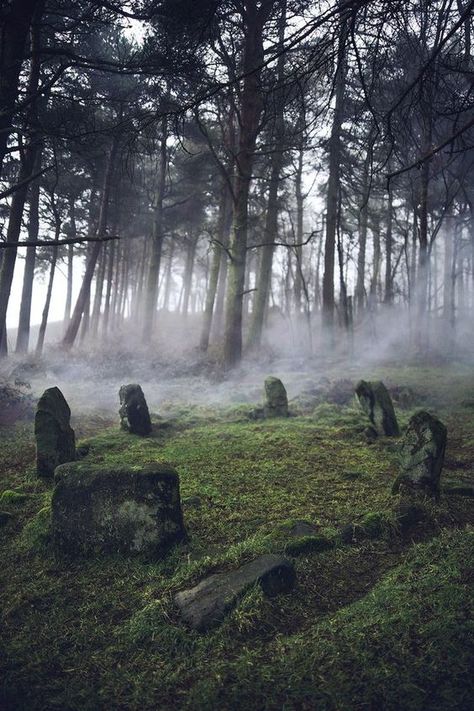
x=188 y=272
x=223 y=234
x=388 y=298
x=70 y=262
x=299 y=228
x=16 y=17
x=23 y=335
x=29 y=158
x=363 y=224
x=251 y=107
x=108 y=293
x=270 y=231
x=333 y=190
x=168 y=278
x=84 y=293
x=151 y=296
x=54 y=259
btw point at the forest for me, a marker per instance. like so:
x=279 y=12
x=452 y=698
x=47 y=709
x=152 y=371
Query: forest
x=236 y=354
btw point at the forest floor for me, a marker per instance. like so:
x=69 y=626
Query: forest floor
x=385 y=622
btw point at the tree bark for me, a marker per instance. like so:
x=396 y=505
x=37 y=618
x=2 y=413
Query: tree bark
x=16 y=17
x=84 y=293
x=251 y=107
x=333 y=190
x=151 y=296
x=23 y=335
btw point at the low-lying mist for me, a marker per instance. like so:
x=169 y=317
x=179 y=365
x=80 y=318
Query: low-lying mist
x=173 y=372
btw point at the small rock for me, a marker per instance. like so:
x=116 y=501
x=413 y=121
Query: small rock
x=134 y=414
x=276 y=404
x=377 y=404
x=55 y=440
x=422 y=454
x=302 y=528
x=116 y=510
x=205 y=605
x=82 y=451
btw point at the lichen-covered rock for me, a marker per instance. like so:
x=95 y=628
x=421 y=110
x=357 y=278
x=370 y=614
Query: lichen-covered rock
x=116 y=510
x=205 y=605
x=377 y=404
x=134 y=414
x=55 y=440
x=276 y=404
x=422 y=454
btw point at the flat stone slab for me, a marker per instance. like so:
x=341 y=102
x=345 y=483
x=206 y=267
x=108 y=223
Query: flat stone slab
x=55 y=439
x=276 y=404
x=98 y=510
x=422 y=453
x=376 y=402
x=206 y=605
x=134 y=413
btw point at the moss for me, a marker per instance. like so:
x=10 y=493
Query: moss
x=9 y=496
x=377 y=524
x=36 y=535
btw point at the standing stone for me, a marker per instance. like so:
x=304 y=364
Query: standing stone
x=134 y=415
x=116 y=510
x=276 y=398
x=55 y=440
x=205 y=605
x=422 y=454
x=377 y=404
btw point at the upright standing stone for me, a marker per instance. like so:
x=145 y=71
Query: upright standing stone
x=376 y=402
x=55 y=441
x=116 y=509
x=134 y=415
x=422 y=454
x=276 y=404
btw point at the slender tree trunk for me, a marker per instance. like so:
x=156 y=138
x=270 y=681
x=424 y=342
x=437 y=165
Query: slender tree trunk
x=299 y=227
x=270 y=232
x=388 y=298
x=84 y=293
x=108 y=293
x=188 y=272
x=151 y=296
x=363 y=224
x=23 y=335
x=99 y=288
x=70 y=263
x=223 y=235
x=168 y=278
x=29 y=158
x=333 y=190
x=52 y=271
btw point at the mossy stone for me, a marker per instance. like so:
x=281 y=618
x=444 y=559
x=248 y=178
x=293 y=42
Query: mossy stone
x=376 y=402
x=55 y=439
x=134 y=413
x=276 y=404
x=422 y=454
x=116 y=510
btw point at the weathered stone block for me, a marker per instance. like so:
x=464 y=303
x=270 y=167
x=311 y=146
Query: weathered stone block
x=134 y=414
x=55 y=440
x=422 y=454
x=116 y=510
x=205 y=605
x=276 y=404
x=377 y=404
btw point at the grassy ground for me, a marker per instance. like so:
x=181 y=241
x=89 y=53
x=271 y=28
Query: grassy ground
x=385 y=622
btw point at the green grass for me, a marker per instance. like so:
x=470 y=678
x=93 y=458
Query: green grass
x=382 y=623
